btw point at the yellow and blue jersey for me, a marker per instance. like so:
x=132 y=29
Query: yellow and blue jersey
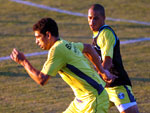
x=66 y=58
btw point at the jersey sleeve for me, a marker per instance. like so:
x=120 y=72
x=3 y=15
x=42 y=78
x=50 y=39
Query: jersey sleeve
x=108 y=42
x=80 y=46
x=55 y=61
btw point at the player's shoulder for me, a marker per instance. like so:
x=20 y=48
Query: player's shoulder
x=60 y=43
x=107 y=34
x=58 y=46
x=106 y=31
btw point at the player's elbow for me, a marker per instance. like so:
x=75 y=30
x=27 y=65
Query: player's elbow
x=87 y=48
x=43 y=82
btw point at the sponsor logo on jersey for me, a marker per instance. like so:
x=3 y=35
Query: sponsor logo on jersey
x=121 y=95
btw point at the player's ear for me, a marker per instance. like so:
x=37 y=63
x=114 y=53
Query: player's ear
x=48 y=34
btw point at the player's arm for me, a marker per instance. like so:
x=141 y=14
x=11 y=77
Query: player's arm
x=107 y=62
x=36 y=75
x=93 y=56
x=108 y=49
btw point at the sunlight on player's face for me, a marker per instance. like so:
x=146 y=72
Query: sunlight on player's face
x=42 y=40
x=95 y=20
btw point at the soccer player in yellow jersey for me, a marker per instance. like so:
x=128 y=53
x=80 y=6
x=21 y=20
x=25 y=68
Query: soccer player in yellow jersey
x=107 y=45
x=66 y=58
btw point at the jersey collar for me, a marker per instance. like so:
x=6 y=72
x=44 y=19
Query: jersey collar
x=96 y=33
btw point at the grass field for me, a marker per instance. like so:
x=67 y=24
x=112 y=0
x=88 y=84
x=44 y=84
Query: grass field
x=20 y=94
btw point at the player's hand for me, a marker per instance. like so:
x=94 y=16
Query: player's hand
x=17 y=56
x=108 y=77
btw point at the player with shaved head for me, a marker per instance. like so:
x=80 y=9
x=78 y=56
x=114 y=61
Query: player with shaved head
x=107 y=44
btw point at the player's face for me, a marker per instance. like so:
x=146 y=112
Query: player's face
x=95 y=20
x=42 y=40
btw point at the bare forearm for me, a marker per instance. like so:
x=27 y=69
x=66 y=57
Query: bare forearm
x=36 y=75
x=97 y=62
x=93 y=57
x=107 y=63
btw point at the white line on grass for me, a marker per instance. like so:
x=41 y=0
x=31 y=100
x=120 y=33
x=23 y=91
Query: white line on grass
x=45 y=52
x=27 y=55
x=135 y=40
x=76 y=13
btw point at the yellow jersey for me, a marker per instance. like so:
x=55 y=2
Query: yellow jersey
x=66 y=58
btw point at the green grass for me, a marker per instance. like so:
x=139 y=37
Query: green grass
x=20 y=94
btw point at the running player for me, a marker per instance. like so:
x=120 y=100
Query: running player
x=66 y=58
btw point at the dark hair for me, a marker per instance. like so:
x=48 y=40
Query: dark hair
x=46 y=24
x=98 y=7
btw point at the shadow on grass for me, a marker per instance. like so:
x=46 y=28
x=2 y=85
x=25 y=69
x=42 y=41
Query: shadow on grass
x=129 y=26
x=127 y=38
x=15 y=22
x=140 y=79
x=12 y=74
x=14 y=35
